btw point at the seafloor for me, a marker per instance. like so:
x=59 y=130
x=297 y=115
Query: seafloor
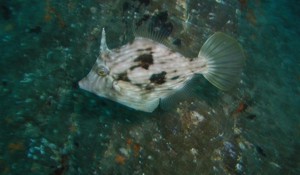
x=50 y=126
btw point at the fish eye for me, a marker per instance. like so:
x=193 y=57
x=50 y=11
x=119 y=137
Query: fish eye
x=102 y=71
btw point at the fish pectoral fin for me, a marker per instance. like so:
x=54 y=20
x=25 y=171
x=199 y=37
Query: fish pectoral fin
x=183 y=93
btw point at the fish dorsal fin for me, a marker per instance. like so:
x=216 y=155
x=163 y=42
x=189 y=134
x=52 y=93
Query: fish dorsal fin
x=104 y=50
x=103 y=45
x=149 y=30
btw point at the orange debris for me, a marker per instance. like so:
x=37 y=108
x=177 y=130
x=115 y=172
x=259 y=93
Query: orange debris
x=136 y=149
x=120 y=159
x=51 y=12
x=129 y=141
x=242 y=107
x=15 y=147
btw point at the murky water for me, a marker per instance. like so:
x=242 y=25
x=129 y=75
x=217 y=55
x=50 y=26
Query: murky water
x=50 y=126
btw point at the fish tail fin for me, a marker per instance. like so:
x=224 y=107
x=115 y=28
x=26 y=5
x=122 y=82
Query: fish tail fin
x=224 y=59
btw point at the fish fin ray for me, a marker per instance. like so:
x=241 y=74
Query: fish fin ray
x=103 y=45
x=224 y=59
x=148 y=30
x=187 y=92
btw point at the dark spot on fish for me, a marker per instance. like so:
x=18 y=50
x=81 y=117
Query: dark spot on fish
x=139 y=85
x=123 y=76
x=144 y=86
x=159 y=78
x=144 y=60
x=260 y=150
x=251 y=116
x=133 y=67
x=149 y=87
x=175 y=71
x=177 y=42
x=147 y=49
x=174 y=78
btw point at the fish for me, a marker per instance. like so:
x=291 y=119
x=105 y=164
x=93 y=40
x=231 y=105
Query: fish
x=145 y=72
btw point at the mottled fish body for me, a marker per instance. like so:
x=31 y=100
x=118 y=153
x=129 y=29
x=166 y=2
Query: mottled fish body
x=144 y=72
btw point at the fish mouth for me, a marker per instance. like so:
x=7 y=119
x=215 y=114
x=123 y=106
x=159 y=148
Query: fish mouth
x=83 y=84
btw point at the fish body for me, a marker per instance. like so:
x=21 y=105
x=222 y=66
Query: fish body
x=144 y=72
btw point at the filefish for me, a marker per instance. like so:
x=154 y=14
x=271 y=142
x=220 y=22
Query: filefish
x=145 y=72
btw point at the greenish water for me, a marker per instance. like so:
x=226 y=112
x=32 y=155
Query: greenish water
x=50 y=126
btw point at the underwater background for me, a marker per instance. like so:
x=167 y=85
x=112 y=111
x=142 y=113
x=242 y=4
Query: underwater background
x=50 y=126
